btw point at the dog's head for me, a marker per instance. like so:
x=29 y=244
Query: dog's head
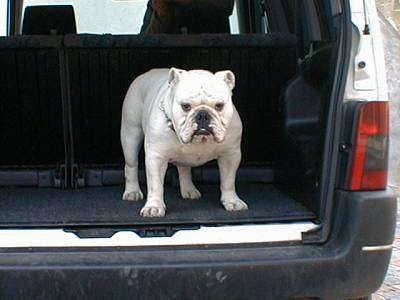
x=201 y=105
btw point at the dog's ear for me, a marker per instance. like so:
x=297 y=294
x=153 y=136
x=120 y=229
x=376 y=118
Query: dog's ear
x=228 y=77
x=175 y=75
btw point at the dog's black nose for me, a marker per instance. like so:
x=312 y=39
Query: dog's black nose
x=203 y=119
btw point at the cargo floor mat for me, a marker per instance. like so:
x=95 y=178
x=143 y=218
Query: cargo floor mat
x=103 y=206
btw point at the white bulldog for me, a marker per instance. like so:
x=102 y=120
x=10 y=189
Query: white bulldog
x=186 y=118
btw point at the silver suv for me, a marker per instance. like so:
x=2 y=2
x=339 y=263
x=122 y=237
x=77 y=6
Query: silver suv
x=312 y=96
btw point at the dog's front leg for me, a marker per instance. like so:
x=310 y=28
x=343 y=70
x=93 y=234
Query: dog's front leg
x=156 y=167
x=228 y=164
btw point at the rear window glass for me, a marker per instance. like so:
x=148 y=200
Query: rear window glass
x=103 y=16
x=3 y=17
x=113 y=16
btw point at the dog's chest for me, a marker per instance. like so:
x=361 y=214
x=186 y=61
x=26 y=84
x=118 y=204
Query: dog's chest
x=192 y=156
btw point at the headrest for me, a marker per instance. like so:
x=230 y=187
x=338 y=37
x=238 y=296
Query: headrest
x=189 y=16
x=49 y=19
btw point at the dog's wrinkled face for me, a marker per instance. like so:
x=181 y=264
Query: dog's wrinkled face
x=201 y=107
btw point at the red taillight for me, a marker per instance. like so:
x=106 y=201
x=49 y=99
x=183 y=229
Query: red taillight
x=370 y=150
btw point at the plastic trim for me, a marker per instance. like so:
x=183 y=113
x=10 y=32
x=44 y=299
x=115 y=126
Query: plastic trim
x=243 y=234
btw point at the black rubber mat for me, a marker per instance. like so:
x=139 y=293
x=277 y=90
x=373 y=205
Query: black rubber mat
x=100 y=206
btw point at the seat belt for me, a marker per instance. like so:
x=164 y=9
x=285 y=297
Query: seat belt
x=276 y=22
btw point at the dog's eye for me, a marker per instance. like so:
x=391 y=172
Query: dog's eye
x=185 y=107
x=219 y=106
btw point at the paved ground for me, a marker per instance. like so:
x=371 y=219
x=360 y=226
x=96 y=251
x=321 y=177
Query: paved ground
x=391 y=287
x=390 y=26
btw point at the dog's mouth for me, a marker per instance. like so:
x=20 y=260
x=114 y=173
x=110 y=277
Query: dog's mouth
x=201 y=136
x=202 y=131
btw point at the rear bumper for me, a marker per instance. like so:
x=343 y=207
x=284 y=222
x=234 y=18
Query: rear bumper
x=337 y=269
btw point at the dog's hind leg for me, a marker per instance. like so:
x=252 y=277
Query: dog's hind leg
x=131 y=140
x=188 y=190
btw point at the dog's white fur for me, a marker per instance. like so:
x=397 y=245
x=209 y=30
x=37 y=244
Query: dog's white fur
x=153 y=111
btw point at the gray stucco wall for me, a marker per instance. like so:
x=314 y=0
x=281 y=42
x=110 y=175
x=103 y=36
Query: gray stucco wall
x=390 y=26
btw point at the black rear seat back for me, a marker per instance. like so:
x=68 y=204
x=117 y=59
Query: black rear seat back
x=31 y=130
x=49 y=19
x=101 y=68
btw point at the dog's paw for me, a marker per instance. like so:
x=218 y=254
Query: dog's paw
x=234 y=204
x=190 y=193
x=133 y=195
x=152 y=211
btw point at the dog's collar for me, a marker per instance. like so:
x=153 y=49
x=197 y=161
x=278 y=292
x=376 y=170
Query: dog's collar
x=169 y=121
x=170 y=124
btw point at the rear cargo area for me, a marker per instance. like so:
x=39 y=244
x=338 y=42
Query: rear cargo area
x=61 y=163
